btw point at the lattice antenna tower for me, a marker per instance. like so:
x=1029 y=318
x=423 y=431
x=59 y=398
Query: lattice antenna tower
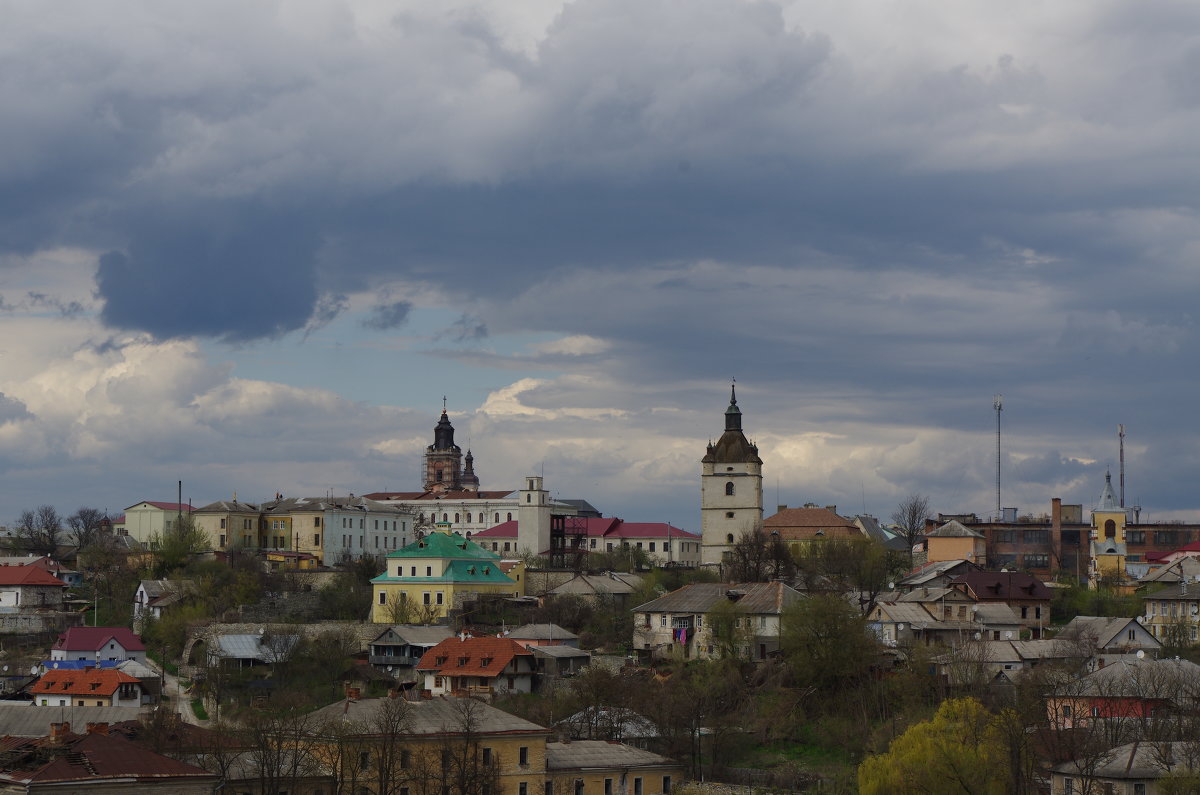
x=998 y=405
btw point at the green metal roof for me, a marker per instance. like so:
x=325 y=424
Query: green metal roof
x=444 y=545
x=459 y=571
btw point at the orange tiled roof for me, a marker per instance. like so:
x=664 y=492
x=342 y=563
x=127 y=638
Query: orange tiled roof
x=94 y=682
x=472 y=657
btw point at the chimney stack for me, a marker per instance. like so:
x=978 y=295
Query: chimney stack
x=58 y=731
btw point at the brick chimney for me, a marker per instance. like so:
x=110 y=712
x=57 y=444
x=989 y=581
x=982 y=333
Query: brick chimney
x=1055 y=532
x=58 y=731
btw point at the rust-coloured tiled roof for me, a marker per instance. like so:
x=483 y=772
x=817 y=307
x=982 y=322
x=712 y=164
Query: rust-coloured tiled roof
x=27 y=575
x=89 y=682
x=457 y=657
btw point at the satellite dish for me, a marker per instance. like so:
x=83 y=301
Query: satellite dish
x=33 y=671
x=55 y=666
x=6 y=669
x=1008 y=635
x=978 y=636
x=891 y=586
x=899 y=627
x=1141 y=655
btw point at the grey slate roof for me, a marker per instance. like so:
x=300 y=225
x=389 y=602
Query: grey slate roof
x=417 y=634
x=19 y=719
x=610 y=583
x=755 y=598
x=954 y=529
x=1143 y=678
x=1103 y=628
x=585 y=754
x=558 y=651
x=1185 y=568
x=617 y=722
x=541 y=632
x=1135 y=761
x=434 y=716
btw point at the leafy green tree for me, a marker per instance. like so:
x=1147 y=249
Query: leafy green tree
x=176 y=547
x=827 y=644
x=960 y=750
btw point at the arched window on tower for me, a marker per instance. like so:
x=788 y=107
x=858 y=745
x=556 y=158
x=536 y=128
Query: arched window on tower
x=729 y=489
x=437 y=474
x=497 y=518
x=445 y=518
x=468 y=516
x=1110 y=529
x=729 y=538
x=510 y=517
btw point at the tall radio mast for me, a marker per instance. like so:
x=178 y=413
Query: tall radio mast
x=998 y=405
x=1121 y=436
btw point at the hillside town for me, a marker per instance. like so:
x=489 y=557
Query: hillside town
x=459 y=640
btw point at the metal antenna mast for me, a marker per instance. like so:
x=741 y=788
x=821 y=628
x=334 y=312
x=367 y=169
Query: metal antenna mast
x=998 y=405
x=1121 y=435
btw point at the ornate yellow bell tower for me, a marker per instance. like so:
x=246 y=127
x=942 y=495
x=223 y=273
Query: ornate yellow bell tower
x=1108 y=539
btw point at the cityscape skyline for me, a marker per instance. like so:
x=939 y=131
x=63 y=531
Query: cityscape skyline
x=252 y=247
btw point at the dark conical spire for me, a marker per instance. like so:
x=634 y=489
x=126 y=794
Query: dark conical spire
x=443 y=433
x=733 y=415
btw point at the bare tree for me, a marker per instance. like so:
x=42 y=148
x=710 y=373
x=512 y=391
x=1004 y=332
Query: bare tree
x=39 y=531
x=85 y=525
x=909 y=518
x=758 y=557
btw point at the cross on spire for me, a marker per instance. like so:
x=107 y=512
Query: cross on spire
x=443 y=404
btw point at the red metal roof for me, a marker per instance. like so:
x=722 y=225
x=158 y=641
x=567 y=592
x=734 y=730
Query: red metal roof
x=165 y=506
x=457 y=657
x=94 y=638
x=88 y=682
x=600 y=527
x=28 y=575
x=90 y=758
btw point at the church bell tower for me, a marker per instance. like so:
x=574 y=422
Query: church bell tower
x=731 y=498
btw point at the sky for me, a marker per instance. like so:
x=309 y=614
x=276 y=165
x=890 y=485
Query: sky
x=251 y=246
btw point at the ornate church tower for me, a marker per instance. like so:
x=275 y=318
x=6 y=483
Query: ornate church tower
x=1108 y=539
x=443 y=458
x=731 y=499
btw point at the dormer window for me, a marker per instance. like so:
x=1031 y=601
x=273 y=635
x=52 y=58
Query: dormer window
x=440 y=661
x=463 y=660
x=485 y=662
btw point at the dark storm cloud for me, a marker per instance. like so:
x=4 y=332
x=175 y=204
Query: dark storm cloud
x=868 y=235
x=228 y=270
x=388 y=316
x=12 y=410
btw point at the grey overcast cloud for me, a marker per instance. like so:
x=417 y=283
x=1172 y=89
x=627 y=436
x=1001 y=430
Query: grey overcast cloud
x=251 y=245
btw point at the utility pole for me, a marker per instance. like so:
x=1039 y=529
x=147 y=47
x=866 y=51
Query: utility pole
x=998 y=405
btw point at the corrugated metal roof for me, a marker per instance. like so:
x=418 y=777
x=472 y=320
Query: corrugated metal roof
x=590 y=754
x=434 y=716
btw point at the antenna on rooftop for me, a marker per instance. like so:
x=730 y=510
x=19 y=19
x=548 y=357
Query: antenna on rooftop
x=998 y=405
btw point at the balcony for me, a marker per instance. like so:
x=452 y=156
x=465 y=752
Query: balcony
x=392 y=659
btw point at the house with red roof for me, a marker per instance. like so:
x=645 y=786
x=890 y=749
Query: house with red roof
x=98 y=643
x=810 y=523
x=30 y=587
x=663 y=543
x=65 y=762
x=90 y=687
x=484 y=666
